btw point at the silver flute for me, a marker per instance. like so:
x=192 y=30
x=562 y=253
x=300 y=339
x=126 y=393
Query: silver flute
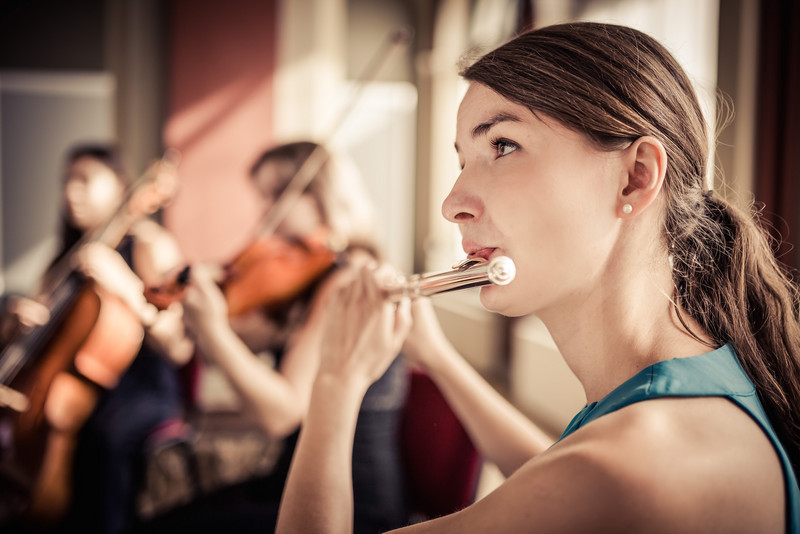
x=466 y=273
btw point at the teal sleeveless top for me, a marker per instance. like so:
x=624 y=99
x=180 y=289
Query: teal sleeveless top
x=715 y=374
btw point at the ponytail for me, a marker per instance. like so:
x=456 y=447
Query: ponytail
x=727 y=278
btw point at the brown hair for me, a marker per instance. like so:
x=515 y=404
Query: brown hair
x=336 y=187
x=615 y=84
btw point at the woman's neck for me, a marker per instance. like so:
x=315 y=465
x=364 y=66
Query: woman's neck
x=620 y=325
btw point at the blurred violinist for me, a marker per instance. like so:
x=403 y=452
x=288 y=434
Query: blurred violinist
x=129 y=396
x=259 y=323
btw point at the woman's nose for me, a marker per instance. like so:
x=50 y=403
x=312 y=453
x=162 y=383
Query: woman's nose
x=460 y=205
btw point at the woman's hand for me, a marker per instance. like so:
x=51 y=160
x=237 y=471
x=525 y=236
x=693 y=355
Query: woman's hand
x=168 y=334
x=28 y=312
x=108 y=268
x=364 y=331
x=362 y=334
x=204 y=306
x=21 y=313
x=425 y=341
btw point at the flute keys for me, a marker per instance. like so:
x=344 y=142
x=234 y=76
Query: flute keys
x=466 y=263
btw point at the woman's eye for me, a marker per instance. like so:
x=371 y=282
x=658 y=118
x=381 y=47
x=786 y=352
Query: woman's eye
x=504 y=147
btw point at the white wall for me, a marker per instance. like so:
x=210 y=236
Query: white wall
x=42 y=114
x=376 y=129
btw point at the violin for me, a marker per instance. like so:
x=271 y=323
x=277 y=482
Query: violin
x=162 y=296
x=273 y=271
x=269 y=273
x=51 y=375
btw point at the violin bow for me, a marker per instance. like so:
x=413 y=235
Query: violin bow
x=320 y=154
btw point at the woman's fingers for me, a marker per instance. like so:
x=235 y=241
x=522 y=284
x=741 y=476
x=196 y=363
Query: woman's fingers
x=28 y=311
x=364 y=331
x=204 y=301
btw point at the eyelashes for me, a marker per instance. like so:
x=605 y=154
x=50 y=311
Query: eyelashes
x=503 y=147
x=500 y=145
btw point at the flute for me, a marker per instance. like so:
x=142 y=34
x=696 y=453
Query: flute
x=467 y=273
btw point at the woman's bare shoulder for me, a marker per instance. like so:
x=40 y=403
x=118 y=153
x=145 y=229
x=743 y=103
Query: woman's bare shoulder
x=671 y=465
x=663 y=465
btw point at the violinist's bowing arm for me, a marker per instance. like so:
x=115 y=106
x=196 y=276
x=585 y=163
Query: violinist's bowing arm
x=277 y=397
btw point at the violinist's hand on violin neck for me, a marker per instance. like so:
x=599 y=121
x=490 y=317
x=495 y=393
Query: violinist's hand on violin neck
x=21 y=314
x=364 y=331
x=27 y=311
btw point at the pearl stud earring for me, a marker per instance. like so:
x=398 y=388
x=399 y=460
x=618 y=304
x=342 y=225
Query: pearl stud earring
x=627 y=208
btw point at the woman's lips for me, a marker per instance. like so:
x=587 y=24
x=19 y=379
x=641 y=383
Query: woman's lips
x=484 y=253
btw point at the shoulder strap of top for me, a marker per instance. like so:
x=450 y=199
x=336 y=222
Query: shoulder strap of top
x=717 y=373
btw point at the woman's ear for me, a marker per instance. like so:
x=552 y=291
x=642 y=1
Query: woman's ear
x=646 y=166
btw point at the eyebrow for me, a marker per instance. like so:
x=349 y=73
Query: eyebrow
x=484 y=127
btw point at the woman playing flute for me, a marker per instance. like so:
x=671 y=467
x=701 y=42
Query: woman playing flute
x=583 y=156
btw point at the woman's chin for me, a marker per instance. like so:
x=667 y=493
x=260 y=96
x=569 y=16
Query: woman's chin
x=500 y=300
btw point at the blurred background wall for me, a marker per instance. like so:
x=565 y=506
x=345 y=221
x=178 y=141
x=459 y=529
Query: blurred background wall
x=220 y=81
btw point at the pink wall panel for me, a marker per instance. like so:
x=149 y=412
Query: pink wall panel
x=219 y=116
